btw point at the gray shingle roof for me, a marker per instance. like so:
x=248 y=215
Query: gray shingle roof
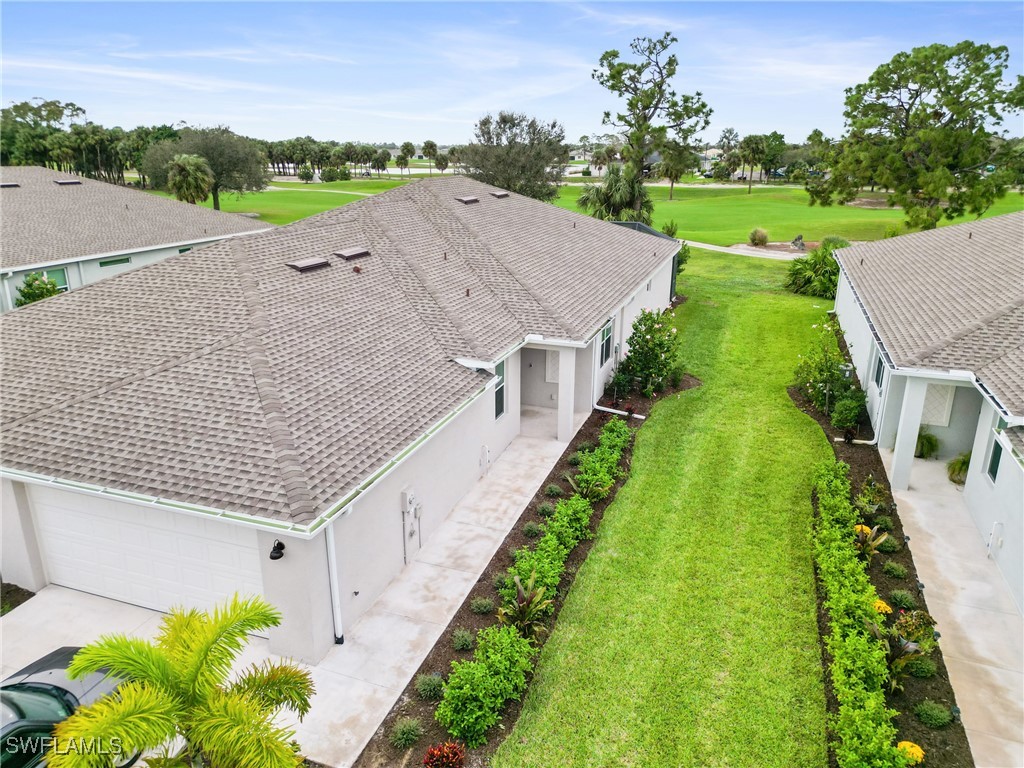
x=44 y=222
x=950 y=299
x=226 y=379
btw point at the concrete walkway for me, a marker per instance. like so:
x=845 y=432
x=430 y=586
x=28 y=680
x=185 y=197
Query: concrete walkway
x=358 y=682
x=981 y=626
x=745 y=250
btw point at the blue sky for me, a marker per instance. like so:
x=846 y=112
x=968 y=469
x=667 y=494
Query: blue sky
x=389 y=71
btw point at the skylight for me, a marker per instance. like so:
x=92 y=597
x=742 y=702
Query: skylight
x=468 y=199
x=66 y=182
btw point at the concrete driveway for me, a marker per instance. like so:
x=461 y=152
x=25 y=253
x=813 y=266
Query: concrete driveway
x=358 y=682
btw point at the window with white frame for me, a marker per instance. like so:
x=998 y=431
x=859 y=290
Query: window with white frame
x=499 y=390
x=606 y=342
x=59 y=275
x=996 y=451
x=879 y=372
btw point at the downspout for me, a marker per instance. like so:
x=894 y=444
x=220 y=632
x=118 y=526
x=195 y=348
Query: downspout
x=332 y=577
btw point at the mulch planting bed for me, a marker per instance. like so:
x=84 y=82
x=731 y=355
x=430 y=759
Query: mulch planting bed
x=12 y=596
x=379 y=752
x=946 y=747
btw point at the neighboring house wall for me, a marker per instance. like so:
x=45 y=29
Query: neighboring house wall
x=995 y=505
x=19 y=556
x=90 y=269
x=369 y=539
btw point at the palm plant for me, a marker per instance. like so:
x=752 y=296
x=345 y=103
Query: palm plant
x=817 y=273
x=189 y=178
x=178 y=698
x=621 y=196
x=866 y=541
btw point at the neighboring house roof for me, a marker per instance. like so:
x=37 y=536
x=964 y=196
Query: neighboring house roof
x=44 y=222
x=950 y=299
x=226 y=379
x=1016 y=437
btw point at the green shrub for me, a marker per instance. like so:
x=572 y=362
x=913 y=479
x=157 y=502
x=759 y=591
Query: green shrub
x=670 y=228
x=531 y=530
x=821 y=372
x=894 y=569
x=546 y=509
x=890 y=546
x=933 y=714
x=586 y=445
x=586 y=172
x=901 y=598
x=652 y=350
x=429 y=687
x=758 y=236
x=922 y=667
x=817 y=273
x=574 y=459
x=500 y=580
x=305 y=173
x=848 y=409
x=546 y=560
x=893 y=230
x=884 y=523
x=462 y=640
x=553 y=491
x=682 y=257
x=405 y=732
x=956 y=468
x=344 y=174
x=328 y=174
x=481 y=605
x=477 y=690
x=927 y=444
x=872 y=498
x=863 y=728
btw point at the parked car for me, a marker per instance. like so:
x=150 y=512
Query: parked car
x=36 y=698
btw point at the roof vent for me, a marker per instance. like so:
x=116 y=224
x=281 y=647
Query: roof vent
x=353 y=253
x=66 y=182
x=468 y=199
x=9 y=184
x=500 y=195
x=307 y=265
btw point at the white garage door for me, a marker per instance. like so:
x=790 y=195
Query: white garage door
x=148 y=557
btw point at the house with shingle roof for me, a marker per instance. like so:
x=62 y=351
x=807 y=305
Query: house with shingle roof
x=336 y=384
x=77 y=231
x=935 y=326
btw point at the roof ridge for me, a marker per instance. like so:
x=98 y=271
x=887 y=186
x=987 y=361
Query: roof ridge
x=467 y=335
x=981 y=322
x=541 y=302
x=294 y=479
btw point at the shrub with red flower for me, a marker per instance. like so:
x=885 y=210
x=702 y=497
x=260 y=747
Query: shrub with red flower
x=447 y=755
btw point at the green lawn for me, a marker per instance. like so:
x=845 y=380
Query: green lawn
x=280 y=206
x=689 y=637
x=726 y=216
x=367 y=186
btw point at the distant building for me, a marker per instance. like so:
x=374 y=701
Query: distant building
x=78 y=231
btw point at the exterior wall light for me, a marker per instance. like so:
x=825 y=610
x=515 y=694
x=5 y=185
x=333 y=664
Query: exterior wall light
x=277 y=551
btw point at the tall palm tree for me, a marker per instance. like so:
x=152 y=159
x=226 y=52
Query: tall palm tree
x=189 y=178
x=675 y=162
x=620 y=197
x=178 y=697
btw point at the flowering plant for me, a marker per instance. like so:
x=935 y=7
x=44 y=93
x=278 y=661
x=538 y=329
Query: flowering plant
x=447 y=755
x=911 y=751
x=882 y=607
x=652 y=351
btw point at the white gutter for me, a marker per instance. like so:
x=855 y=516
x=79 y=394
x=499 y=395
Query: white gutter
x=126 y=252
x=298 y=530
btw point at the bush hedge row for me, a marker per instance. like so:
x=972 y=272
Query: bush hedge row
x=863 y=728
x=568 y=525
x=476 y=691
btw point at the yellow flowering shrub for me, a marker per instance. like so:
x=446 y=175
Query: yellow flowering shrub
x=882 y=607
x=913 y=752
x=862 y=530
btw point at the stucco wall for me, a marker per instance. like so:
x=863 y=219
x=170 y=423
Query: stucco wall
x=583 y=382
x=369 y=539
x=537 y=391
x=998 y=507
x=863 y=349
x=19 y=553
x=958 y=436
